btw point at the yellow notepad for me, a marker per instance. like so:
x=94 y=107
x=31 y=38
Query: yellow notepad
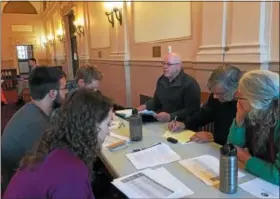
x=182 y=137
x=123 y=132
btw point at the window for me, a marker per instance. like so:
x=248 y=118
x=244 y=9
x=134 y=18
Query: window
x=24 y=52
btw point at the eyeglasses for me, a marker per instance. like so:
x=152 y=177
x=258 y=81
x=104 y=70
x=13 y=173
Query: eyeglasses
x=168 y=64
x=219 y=94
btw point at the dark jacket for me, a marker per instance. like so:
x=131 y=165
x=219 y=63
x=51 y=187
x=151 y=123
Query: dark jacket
x=180 y=97
x=220 y=113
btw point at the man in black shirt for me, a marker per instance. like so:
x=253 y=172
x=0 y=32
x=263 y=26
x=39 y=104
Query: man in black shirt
x=219 y=109
x=177 y=94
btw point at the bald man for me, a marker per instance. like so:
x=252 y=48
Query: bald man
x=177 y=94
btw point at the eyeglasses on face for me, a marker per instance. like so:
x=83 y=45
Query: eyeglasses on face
x=168 y=64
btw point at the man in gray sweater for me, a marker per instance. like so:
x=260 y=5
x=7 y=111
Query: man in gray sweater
x=47 y=89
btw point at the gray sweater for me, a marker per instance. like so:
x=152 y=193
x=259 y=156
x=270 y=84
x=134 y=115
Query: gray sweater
x=22 y=132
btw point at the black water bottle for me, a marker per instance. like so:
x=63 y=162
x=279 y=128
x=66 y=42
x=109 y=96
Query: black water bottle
x=135 y=126
x=228 y=169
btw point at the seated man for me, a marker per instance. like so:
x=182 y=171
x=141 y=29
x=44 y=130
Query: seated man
x=219 y=109
x=88 y=76
x=23 y=83
x=177 y=94
x=256 y=128
x=47 y=87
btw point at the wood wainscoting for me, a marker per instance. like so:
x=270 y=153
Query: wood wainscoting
x=204 y=97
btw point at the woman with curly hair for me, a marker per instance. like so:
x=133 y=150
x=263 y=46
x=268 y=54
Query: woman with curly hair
x=61 y=165
x=256 y=128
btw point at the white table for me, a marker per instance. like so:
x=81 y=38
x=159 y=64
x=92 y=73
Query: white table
x=119 y=165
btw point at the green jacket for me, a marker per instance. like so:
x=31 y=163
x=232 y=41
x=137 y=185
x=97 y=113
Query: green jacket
x=258 y=167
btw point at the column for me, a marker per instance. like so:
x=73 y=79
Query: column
x=213 y=38
x=249 y=38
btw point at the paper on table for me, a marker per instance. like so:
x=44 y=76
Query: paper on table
x=127 y=112
x=123 y=132
x=150 y=183
x=261 y=188
x=206 y=168
x=113 y=139
x=153 y=156
x=182 y=137
x=119 y=136
x=115 y=124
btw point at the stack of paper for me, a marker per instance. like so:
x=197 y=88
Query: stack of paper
x=113 y=140
x=124 y=113
x=206 y=168
x=153 y=156
x=183 y=137
x=149 y=183
x=261 y=188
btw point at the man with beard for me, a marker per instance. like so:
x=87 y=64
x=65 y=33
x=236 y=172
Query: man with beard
x=47 y=89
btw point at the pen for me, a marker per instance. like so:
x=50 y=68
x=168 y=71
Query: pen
x=137 y=150
x=173 y=123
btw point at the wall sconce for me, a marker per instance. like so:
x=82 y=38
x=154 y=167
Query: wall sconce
x=110 y=16
x=60 y=36
x=118 y=14
x=79 y=24
x=50 y=39
x=114 y=7
x=44 y=41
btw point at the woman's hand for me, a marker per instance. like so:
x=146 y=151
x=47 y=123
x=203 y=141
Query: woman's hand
x=243 y=154
x=176 y=126
x=202 y=137
x=240 y=115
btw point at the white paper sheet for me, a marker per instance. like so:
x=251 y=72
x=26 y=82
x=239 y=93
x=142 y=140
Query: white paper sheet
x=127 y=112
x=150 y=157
x=150 y=183
x=261 y=188
x=206 y=168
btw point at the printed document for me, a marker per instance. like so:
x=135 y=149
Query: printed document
x=261 y=188
x=151 y=183
x=206 y=168
x=183 y=137
x=153 y=156
x=126 y=113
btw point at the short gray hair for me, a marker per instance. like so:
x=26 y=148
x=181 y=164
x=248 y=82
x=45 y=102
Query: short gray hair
x=226 y=75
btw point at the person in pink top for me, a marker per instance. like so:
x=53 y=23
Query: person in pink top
x=61 y=164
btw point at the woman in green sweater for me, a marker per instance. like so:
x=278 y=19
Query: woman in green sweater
x=256 y=128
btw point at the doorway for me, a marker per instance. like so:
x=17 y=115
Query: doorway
x=73 y=42
x=24 y=53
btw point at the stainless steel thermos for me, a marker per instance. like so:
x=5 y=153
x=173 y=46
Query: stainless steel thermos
x=228 y=169
x=135 y=126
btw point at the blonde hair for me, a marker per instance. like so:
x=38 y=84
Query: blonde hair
x=261 y=89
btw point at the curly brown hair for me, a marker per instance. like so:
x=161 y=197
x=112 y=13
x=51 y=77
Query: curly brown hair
x=75 y=129
x=88 y=73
